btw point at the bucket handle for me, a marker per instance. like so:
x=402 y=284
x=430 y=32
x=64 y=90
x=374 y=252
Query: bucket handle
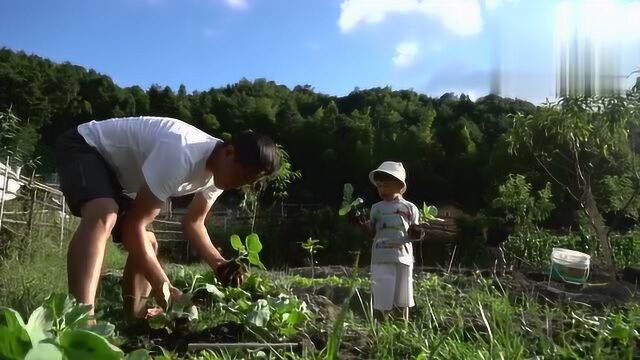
x=562 y=277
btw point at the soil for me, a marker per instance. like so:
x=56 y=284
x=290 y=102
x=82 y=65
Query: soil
x=141 y=335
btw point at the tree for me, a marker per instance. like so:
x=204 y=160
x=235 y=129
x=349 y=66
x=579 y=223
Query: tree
x=17 y=139
x=579 y=143
x=515 y=198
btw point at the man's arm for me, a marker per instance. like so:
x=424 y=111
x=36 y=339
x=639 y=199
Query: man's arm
x=144 y=209
x=196 y=232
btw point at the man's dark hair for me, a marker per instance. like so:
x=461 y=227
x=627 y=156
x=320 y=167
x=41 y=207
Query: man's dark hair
x=383 y=176
x=255 y=150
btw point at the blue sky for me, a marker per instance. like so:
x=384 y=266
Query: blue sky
x=431 y=46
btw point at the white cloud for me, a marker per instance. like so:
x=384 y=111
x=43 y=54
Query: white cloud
x=406 y=54
x=494 y=4
x=463 y=17
x=601 y=21
x=237 y=4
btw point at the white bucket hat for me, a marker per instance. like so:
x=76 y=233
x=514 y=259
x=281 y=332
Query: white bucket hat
x=394 y=169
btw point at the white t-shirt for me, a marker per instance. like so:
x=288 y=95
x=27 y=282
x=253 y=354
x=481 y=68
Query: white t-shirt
x=391 y=220
x=168 y=154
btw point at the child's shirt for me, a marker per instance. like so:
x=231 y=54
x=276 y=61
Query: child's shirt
x=390 y=220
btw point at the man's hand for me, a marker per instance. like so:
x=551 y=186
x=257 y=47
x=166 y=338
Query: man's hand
x=231 y=273
x=145 y=208
x=175 y=295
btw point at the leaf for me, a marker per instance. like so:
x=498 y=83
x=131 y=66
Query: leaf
x=253 y=243
x=344 y=210
x=295 y=318
x=83 y=344
x=357 y=202
x=259 y=314
x=104 y=328
x=347 y=192
x=38 y=325
x=159 y=321
x=140 y=354
x=59 y=304
x=432 y=210
x=44 y=351
x=236 y=243
x=237 y=294
x=14 y=338
x=288 y=331
x=421 y=356
x=193 y=313
x=212 y=289
x=166 y=294
x=77 y=315
x=619 y=332
x=254 y=260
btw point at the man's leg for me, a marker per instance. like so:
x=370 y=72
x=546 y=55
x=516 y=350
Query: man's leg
x=135 y=287
x=86 y=250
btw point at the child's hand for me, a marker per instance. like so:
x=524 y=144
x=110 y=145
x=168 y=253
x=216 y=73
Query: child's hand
x=415 y=232
x=357 y=219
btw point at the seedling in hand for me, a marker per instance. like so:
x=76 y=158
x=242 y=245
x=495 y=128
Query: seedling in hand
x=248 y=253
x=428 y=215
x=349 y=204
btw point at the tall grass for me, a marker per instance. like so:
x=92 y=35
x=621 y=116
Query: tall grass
x=30 y=271
x=458 y=318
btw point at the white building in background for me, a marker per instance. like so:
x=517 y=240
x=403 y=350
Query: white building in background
x=12 y=185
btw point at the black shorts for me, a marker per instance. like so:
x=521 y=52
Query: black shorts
x=85 y=175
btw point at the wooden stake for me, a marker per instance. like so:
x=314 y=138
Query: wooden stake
x=4 y=190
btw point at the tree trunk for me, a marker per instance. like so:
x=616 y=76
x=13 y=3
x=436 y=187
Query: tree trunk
x=596 y=221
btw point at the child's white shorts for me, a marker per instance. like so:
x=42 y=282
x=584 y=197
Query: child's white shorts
x=392 y=285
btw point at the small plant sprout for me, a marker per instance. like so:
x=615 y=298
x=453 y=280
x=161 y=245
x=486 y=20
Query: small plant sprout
x=428 y=214
x=349 y=203
x=311 y=246
x=248 y=253
x=178 y=309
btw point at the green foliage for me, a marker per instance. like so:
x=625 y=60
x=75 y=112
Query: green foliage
x=271 y=317
x=451 y=138
x=311 y=246
x=181 y=308
x=580 y=143
x=519 y=204
x=534 y=248
x=249 y=251
x=349 y=203
x=17 y=139
x=56 y=330
x=277 y=183
x=429 y=213
x=305 y=282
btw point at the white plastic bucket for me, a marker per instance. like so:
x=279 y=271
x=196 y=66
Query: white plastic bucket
x=570 y=266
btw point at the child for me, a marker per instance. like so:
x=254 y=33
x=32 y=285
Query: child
x=392 y=252
x=155 y=158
